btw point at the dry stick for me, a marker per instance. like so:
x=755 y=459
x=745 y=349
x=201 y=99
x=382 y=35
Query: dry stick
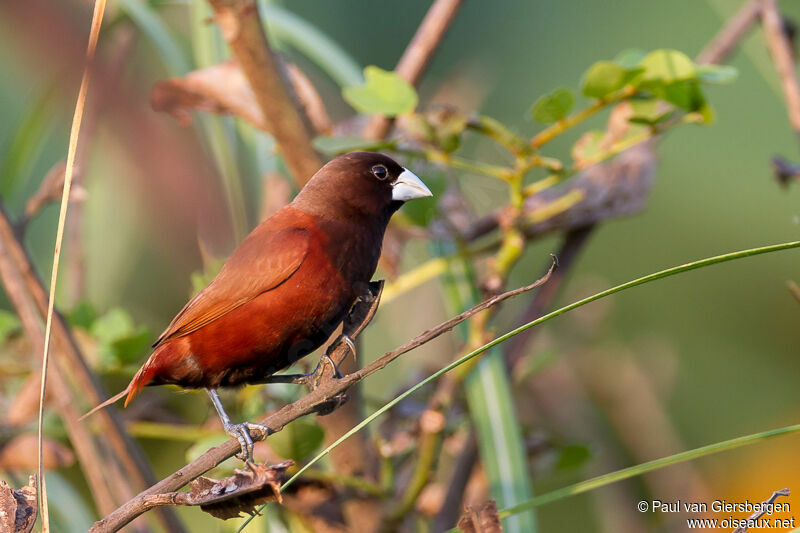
x=94 y=32
x=417 y=56
x=241 y=26
x=122 y=449
x=278 y=419
x=781 y=51
x=727 y=39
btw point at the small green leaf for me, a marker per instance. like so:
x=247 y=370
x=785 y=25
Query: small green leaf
x=383 y=93
x=298 y=441
x=9 y=324
x=603 y=78
x=554 y=106
x=667 y=66
x=684 y=94
x=118 y=338
x=720 y=74
x=82 y=315
x=630 y=58
x=572 y=456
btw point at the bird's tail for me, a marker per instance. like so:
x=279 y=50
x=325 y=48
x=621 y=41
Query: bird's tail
x=108 y=402
x=142 y=378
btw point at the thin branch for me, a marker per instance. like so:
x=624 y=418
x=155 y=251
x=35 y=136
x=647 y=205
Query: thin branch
x=417 y=55
x=727 y=39
x=241 y=26
x=781 y=51
x=278 y=419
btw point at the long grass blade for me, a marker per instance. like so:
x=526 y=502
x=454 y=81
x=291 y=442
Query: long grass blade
x=94 y=32
x=643 y=468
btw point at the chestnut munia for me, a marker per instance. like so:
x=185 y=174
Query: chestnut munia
x=286 y=287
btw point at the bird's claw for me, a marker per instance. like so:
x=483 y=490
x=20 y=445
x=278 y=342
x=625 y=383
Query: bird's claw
x=242 y=432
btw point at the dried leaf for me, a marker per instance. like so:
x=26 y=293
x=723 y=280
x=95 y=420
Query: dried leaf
x=224 y=89
x=241 y=492
x=221 y=89
x=21 y=453
x=483 y=520
x=18 y=507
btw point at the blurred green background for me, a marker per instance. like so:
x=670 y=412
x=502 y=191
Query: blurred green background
x=719 y=346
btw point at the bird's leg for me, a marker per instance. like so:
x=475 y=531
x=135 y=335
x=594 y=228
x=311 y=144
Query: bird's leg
x=240 y=431
x=313 y=379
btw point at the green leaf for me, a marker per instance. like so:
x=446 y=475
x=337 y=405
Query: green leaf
x=630 y=58
x=9 y=324
x=719 y=74
x=119 y=340
x=572 y=456
x=667 y=66
x=383 y=93
x=554 y=106
x=603 y=78
x=298 y=441
x=684 y=94
x=82 y=315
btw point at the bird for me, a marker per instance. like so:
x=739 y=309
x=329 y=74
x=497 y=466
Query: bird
x=285 y=288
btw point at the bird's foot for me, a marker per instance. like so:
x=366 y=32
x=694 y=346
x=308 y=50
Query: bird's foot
x=244 y=434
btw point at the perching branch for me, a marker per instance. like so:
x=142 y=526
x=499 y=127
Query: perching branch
x=310 y=403
x=241 y=26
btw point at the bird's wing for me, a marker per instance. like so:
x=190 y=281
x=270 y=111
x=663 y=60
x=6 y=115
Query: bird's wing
x=264 y=260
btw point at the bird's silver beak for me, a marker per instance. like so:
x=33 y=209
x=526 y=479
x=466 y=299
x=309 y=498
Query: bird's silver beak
x=408 y=187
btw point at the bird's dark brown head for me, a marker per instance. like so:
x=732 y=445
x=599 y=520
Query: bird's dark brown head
x=360 y=184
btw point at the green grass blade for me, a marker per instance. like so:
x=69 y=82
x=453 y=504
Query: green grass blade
x=493 y=415
x=500 y=441
x=637 y=470
x=608 y=292
x=151 y=25
x=312 y=43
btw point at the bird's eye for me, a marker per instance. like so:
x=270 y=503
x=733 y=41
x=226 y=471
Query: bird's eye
x=380 y=172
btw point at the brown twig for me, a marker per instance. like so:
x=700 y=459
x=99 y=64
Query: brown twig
x=417 y=55
x=781 y=50
x=310 y=403
x=241 y=26
x=727 y=39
